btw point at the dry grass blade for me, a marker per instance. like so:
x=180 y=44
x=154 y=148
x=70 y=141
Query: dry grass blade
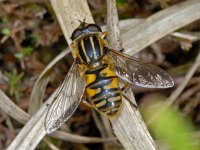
x=179 y=89
x=13 y=110
x=37 y=95
x=112 y=26
x=80 y=139
x=128 y=126
x=51 y=146
x=187 y=36
x=69 y=10
x=159 y=25
x=127 y=24
x=103 y=125
x=33 y=132
x=104 y=131
x=41 y=83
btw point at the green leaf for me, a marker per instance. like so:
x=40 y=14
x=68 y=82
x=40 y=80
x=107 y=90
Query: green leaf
x=27 y=51
x=5 y=31
x=171 y=128
x=120 y=2
x=14 y=83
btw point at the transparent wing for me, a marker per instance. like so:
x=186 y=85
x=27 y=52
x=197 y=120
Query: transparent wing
x=66 y=100
x=139 y=73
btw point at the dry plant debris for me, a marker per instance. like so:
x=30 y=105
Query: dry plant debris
x=31 y=37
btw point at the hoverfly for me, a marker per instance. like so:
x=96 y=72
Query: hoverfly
x=98 y=72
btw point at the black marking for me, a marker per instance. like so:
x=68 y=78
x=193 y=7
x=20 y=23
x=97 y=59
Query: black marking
x=106 y=50
x=110 y=105
x=97 y=47
x=88 y=48
x=107 y=97
x=97 y=71
x=104 y=94
x=100 y=83
x=91 y=49
x=77 y=60
x=81 y=53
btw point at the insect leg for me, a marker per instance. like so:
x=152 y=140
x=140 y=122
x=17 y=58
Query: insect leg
x=104 y=34
x=85 y=101
x=124 y=89
x=125 y=97
x=87 y=104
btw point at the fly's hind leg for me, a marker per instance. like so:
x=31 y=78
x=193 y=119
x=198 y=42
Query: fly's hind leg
x=85 y=101
x=87 y=104
x=124 y=90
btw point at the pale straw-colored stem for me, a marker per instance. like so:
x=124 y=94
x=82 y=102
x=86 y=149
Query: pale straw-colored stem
x=137 y=38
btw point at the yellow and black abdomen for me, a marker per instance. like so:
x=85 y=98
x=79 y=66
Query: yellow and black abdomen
x=102 y=89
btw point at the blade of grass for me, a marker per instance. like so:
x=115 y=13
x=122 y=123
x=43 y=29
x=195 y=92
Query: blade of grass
x=41 y=83
x=129 y=126
x=81 y=139
x=69 y=24
x=33 y=132
x=12 y=110
x=159 y=25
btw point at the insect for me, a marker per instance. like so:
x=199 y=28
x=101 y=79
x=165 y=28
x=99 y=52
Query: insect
x=96 y=77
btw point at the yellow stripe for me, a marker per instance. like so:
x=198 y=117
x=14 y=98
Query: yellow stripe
x=93 y=48
x=112 y=110
x=102 y=103
x=83 y=48
x=98 y=91
x=112 y=99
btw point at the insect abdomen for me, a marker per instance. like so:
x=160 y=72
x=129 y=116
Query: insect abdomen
x=102 y=89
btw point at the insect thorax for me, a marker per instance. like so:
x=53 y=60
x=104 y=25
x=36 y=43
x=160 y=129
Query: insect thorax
x=90 y=49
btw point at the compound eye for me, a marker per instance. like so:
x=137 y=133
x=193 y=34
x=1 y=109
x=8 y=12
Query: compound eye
x=76 y=34
x=94 y=28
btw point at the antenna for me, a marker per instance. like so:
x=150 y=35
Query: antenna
x=83 y=20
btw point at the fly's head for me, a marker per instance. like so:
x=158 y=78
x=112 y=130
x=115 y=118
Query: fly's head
x=84 y=30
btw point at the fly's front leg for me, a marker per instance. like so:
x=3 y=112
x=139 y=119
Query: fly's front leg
x=104 y=34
